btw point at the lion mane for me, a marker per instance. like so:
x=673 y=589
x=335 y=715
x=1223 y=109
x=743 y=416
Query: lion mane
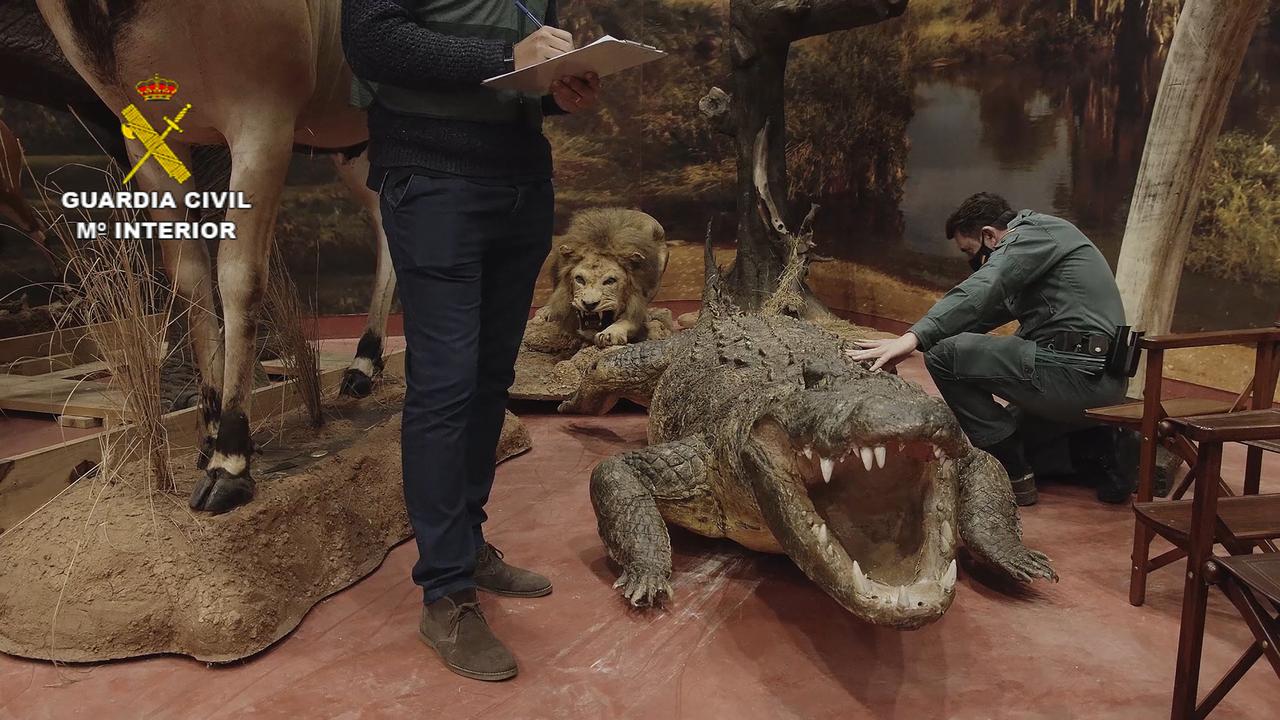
x=605 y=271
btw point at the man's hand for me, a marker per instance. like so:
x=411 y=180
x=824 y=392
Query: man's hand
x=573 y=94
x=885 y=353
x=545 y=43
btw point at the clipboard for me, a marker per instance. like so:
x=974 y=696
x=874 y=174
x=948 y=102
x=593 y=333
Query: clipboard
x=604 y=57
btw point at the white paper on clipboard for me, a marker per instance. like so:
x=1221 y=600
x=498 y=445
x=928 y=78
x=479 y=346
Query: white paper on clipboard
x=604 y=57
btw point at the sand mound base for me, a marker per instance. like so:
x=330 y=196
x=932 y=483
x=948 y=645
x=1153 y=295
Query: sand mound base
x=104 y=572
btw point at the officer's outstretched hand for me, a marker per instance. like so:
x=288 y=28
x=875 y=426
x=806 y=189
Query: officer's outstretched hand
x=885 y=353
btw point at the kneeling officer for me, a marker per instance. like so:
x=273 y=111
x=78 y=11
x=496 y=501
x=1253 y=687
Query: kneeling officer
x=1042 y=271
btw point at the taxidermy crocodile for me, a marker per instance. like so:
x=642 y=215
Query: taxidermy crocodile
x=763 y=431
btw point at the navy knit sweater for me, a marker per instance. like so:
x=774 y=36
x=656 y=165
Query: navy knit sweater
x=384 y=44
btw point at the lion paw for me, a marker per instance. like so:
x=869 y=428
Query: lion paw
x=611 y=336
x=643 y=589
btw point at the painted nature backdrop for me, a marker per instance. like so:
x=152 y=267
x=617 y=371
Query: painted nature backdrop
x=889 y=128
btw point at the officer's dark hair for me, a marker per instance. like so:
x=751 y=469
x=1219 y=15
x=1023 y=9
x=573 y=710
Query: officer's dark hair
x=977 y=212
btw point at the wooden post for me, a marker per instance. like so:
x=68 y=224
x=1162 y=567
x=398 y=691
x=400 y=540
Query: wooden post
x=1199 y=77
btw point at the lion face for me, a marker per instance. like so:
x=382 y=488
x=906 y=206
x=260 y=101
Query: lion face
x=600 y=287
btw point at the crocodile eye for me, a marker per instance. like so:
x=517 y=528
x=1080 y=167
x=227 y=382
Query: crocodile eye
x=610 y=280
x=580 y=280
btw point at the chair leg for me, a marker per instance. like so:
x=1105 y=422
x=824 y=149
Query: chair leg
x=1252 y=471
x=1142 y=536
x=1264 y=627
x=1229 y=680
x=1195 y=595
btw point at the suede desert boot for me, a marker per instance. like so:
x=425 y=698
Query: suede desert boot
x=495 y=576
x=455 y=628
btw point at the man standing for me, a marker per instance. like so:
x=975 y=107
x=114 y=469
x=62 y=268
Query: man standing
x=1043 y=272
x=464 y=175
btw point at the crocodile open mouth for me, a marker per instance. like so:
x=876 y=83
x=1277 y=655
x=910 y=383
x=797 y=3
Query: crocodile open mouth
x=595 y=321
x=872 y=523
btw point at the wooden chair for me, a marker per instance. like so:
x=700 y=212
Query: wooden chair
x=1250 y=581
x=1149 y=416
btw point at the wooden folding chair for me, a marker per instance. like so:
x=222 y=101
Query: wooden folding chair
x=1250 y=581
x=1149 y=416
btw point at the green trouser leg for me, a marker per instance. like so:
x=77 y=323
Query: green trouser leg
x=972 y=370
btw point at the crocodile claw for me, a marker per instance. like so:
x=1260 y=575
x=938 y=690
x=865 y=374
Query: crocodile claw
x=1027 y=565
x=643 y=590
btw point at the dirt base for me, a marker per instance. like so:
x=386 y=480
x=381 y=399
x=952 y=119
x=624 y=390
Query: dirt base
x=104 y=572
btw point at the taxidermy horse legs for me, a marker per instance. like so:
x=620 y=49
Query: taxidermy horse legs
x=357 y=381
x=257 y=91
x=12 y=206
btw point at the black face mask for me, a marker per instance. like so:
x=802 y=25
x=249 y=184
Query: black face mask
x=980 y=258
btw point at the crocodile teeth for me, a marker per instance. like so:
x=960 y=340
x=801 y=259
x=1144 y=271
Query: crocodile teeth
x=808 y=452
x=880 y=454
x=937 y=453
x=827 y=466
x=867 y=456
x=821 y=529
x=949 y=577
x=904 y=599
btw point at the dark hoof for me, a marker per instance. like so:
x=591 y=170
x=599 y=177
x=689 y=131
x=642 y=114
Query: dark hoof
x=217 y=492
x=204 y=453
x=355 y=384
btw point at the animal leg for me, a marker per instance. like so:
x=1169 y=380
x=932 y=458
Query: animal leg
x=629 y=372
x=989 y=520
x=260 y=158
x=187 y=265
x=619 y=333
x=626 y=491
x=357 y=381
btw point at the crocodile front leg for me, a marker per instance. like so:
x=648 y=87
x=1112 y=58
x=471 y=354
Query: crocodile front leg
x=630 y=372
x=627 y=491
x=989 y=520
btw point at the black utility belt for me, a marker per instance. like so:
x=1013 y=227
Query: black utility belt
x=1092 y=344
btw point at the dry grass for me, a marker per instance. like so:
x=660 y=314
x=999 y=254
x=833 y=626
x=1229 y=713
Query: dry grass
x=287 y=339
x=128 y=310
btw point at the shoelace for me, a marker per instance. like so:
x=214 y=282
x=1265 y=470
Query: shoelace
x=494 y=550
x=460 y=611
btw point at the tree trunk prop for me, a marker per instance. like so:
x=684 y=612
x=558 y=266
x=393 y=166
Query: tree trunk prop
x=1204 y=59
x=760 y=37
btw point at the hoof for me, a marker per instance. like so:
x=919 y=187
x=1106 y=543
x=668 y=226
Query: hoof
x=355 y=384
x=218 y=491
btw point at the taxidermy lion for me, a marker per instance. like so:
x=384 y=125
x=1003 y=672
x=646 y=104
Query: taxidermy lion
x=604 y=274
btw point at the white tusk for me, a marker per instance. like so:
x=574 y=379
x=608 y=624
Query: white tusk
x=949 y=577
x=808 y=452
x=881 y=454
x=867 y=455
x=827 y=466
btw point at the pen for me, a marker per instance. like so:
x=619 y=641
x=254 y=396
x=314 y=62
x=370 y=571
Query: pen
x=525 y=10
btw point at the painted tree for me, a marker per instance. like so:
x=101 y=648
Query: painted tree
x=760 y=36
x=1208 y=47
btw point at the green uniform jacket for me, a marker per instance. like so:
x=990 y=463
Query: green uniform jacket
x=1045 y=274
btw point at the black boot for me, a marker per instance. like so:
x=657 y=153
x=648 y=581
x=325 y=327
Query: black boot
x=1096 y=455
x=1009 y=453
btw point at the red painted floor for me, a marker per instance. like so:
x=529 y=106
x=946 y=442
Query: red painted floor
x=747 y=637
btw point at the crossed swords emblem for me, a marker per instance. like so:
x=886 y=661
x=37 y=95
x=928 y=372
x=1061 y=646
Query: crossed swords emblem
x=136 y=127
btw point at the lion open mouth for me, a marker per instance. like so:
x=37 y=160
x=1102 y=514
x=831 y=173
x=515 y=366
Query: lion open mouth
x=595 y=321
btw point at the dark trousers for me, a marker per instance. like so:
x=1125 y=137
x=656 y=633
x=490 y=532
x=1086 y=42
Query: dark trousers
x=466 y=254
x=971 y=370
